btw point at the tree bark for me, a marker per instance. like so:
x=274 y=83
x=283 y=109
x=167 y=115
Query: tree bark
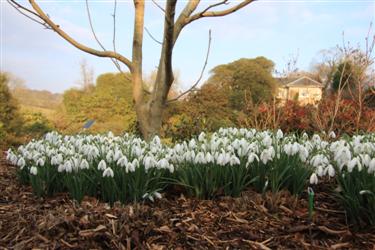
x=150 y=114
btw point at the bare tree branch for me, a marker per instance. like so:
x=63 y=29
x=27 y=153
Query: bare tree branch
x=201 y=74
x=157 y=5
x=24 y=12
x=206 y=13
x=115 y=62
x=184 y=15
x=152 y=37
x=69 y=39
x=214 y=5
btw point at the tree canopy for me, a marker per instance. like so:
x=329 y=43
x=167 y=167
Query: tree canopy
x=245 y=80
x=109 y=103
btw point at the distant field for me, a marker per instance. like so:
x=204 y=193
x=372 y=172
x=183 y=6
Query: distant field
x=48 y=113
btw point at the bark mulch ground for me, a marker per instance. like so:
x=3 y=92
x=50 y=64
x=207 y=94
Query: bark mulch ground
x=174 y=222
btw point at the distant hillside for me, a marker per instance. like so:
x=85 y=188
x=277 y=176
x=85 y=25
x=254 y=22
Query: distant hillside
x=37 y=98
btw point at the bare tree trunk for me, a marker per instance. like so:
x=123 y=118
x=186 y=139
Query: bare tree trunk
x=150 y=114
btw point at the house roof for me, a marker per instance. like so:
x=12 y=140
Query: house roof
x=303 y=81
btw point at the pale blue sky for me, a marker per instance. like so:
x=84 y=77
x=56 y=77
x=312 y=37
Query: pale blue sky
x=274 y=29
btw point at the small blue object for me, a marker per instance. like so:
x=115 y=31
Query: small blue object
x=88 y=124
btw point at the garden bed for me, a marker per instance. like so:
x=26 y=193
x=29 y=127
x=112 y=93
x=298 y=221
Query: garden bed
x=248 y=222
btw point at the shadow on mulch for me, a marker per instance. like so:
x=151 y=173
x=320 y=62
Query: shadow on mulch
x=174 y=222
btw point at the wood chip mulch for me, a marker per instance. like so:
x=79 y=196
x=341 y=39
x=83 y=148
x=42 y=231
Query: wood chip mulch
x=252 y=221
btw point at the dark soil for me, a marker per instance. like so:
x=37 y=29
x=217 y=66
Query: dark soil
x=174 y=222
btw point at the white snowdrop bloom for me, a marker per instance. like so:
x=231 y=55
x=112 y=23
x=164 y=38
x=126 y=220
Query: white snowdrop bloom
x=129 y=167
x=266 y=155
x=108 y=172
x=209 y=158
x=316 y=138
x=68 y=167
x=371 y=166
x=303 y=153
x=163 y=164
x=192 y=143
x=234 y=160
x=156 y=140
x=61 y=168
x=201 y=137
x=102 y=165
x=135 y=163
x=84 y=164
x=21 y=163
x=354 y=162
x=288 y=149
x=137 y=151
x=267 y=141
x=332 y=135
x=171 y=168
x=149 y=162
x=365 y=160
x=331 y=170
x=320 y=171
x=157 y=195
x=279 y=134
x=122 y=161
x=252 y=157
x=109 y=156
x=295 y=148
x=313 y=179
x=220 y=160
x=117 y=155
x=40 y=162
x=200 y=158
x=13 y=159
x=33 y=170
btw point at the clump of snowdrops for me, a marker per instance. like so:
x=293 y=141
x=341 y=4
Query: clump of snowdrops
x=126 y=168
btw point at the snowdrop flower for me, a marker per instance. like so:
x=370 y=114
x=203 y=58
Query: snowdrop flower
x=331 y=171
x=84 y=164
x=209 y=158
x=354 y=162
x=122 y=161
x=192 y=143
x=234 y=160
x=371 y=167
x=200 y=158
x=279 y=134
x=332 y=135
x=163 y=164
x=201 y=137
x=171 y=168
x=149 y=162
x=320 y=171
x=68 y=167
x=251 y=158
x=109 y=156
x=288 y=149
x=61 y=168
x=33 y=170
x=40 y=162
x=117 y=155
x=313 y=179
x=108 y=172
x=102 y=165
x=21 y=162
x=267 y=155
x=129 y=167
x=267 y=141
x=303 y=153
x=157 y=195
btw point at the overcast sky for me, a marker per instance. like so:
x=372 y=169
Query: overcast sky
x=274 y=29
